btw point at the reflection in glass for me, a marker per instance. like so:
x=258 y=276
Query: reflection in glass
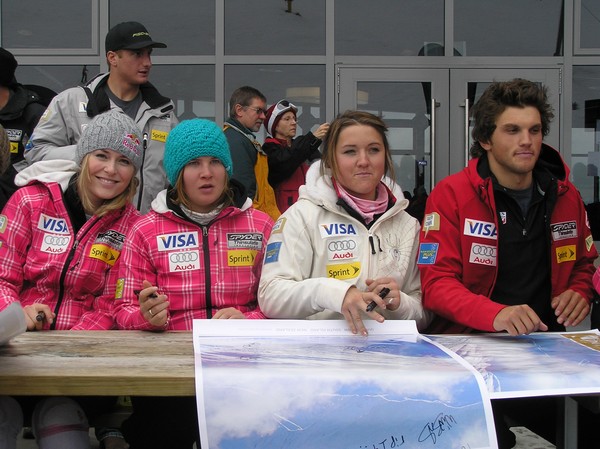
x=191 y=87
x=268 y=27
x=590 y=24
x=188 y=28
x=585 y=143
x=391 y=27
x=404 y=108
x=509 y=27
x=55 y=77
x=49 y=24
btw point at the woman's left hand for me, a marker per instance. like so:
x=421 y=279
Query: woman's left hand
x=36 y=315
x=354 y=305
x=391 y=301
x=153 y=306
x=228 y=313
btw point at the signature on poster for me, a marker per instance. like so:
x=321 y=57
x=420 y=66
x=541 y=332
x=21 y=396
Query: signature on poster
x=390 y=443
x=437 y=427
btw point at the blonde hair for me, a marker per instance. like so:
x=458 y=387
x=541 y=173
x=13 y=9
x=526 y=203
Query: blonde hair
x=120 y=201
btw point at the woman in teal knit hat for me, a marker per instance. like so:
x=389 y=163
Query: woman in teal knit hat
x=197 y=254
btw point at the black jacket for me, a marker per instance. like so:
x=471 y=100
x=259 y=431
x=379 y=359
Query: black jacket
x=19 y=117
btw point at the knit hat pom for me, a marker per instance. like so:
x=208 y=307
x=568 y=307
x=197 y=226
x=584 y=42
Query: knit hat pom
x=274 y=114
x=112 y=130
x=192 y=139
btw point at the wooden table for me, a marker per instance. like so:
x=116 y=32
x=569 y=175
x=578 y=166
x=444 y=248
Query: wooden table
x=133 y=363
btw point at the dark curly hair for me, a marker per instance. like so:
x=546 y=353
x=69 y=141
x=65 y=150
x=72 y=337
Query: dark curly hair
x=500 y=95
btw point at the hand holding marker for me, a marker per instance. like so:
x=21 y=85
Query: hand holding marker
x=382 y=294
x=151 y=295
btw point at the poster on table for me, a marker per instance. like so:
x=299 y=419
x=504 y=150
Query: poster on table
x=302 y=384
x=539 y=364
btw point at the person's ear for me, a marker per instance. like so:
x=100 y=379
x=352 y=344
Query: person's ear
x=485 y=145
x=111 y=58
x=238 y=110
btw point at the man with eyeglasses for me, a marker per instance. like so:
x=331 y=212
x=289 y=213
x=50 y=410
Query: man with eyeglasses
x=247 y=109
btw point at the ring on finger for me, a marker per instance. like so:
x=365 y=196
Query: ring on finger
x=150 y=311
x=390 y=300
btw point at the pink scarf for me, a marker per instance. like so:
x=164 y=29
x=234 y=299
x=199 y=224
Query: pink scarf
x=367 y=209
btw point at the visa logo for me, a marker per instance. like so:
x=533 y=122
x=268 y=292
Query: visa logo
x=53 y=224
x=177 y=241
x=480 y=229
x=335 y=229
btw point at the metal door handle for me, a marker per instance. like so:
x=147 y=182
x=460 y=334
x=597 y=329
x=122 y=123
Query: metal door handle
x=466 y=132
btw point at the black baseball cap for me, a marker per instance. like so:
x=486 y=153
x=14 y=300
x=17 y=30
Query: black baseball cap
x=130 y=36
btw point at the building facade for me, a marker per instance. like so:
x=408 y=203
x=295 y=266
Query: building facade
x=420 y=64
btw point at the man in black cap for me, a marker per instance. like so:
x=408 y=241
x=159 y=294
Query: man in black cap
x=20 y=110
x=126 y=87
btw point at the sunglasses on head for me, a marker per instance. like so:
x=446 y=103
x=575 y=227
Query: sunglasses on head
x=284 y=104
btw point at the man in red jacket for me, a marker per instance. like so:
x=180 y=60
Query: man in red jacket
x=505 y=243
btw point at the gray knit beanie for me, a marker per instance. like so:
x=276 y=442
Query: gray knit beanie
x=115 y=131
x=192 y=139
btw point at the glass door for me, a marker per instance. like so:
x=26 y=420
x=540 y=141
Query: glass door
x=413 y=104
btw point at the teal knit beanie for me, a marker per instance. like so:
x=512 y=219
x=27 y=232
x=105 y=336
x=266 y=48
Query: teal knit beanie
x=192 y=139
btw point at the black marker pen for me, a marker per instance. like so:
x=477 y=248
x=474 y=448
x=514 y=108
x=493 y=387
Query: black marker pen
x=382 y=294
x=151 y=295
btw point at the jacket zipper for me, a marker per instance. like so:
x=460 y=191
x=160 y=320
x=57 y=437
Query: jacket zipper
x=206 y=256
x=141 y=171
x=61 y=286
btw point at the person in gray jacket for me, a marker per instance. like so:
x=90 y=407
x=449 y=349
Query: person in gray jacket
x=125 y=87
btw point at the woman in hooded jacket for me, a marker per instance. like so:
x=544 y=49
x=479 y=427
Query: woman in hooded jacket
x=348 y=240
x=61 y=233
x=196 y=255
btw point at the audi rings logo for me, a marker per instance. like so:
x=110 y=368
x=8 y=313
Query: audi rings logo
x=482 y=250
x=341 y=245
x=183 y=257
x=56 y=240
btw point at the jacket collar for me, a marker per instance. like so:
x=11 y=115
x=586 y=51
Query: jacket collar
x=549 y=169
x=235 y=124
x=99 y=101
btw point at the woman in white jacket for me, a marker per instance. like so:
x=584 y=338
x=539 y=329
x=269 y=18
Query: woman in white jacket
x=347 y=238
